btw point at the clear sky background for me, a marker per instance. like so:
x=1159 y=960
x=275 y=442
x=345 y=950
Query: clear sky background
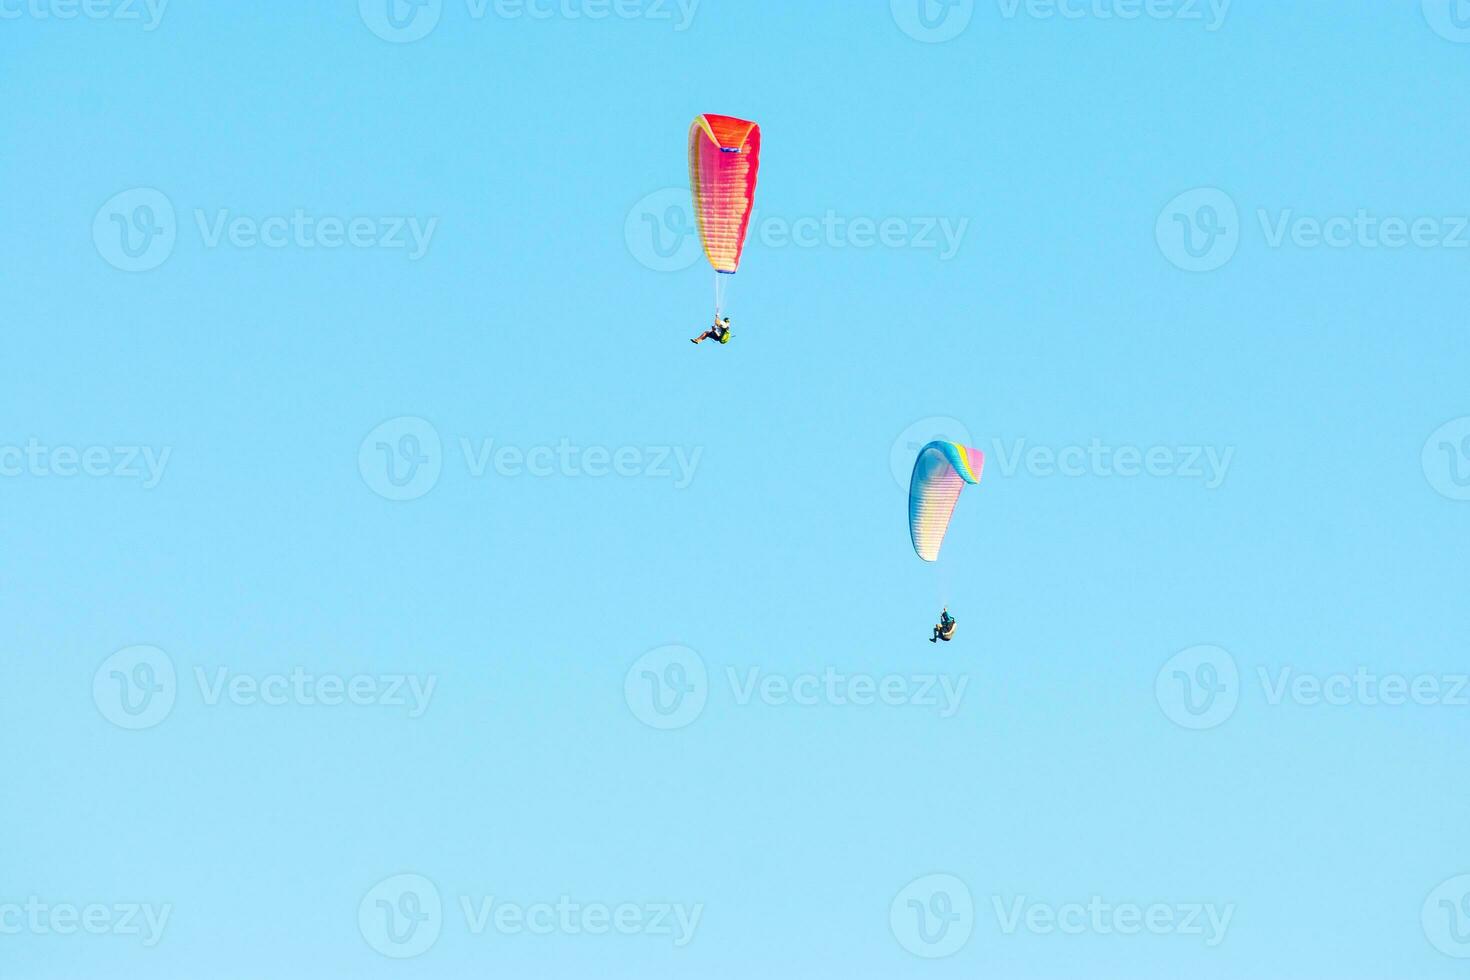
x=546 y=312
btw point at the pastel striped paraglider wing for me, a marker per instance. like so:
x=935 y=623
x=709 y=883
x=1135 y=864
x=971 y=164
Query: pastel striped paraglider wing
x=942 y=470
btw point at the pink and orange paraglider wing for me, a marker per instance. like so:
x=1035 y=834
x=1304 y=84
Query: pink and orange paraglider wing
x=724 y=159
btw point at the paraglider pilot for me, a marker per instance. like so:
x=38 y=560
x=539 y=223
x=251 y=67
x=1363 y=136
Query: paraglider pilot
x=945 y=630
x=720 y=331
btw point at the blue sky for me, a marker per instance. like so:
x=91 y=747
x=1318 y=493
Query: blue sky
x=387 y=391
